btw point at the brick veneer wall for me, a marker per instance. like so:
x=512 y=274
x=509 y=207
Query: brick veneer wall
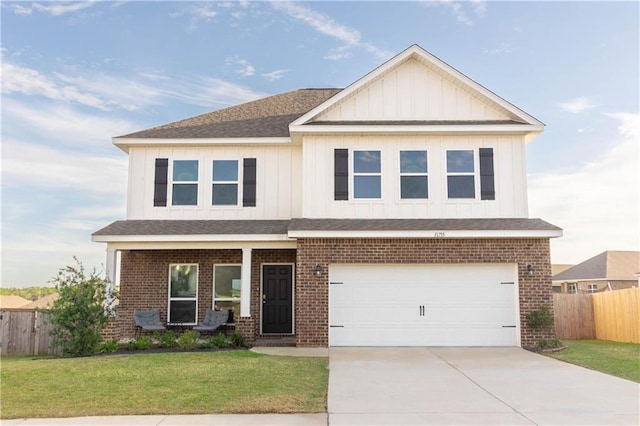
x=144 y=281
x=312 y=293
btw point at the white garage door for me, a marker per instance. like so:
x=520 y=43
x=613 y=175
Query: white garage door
x=423 y=305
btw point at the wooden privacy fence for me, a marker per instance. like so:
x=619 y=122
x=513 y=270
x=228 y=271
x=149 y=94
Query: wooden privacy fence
x=611 y=315
x=24 y=332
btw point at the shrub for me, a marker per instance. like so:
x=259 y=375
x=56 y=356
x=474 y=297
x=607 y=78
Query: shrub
x=540 y=317
x=219 y=341
x=81 y=312
x=109 y=346
x=238 y=340
x=166 y=339
x=141 y=343
x=188 y=340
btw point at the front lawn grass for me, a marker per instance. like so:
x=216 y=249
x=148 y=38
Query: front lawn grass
x=163 y=383
x=615 y=358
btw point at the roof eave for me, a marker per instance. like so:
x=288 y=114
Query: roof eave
x=126 y=143
x=432 y=233
x=435 y=129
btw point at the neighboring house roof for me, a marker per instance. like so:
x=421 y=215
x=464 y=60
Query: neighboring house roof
x=609 y=265
x=9 y=302
x=301 y=227
x=267 y=117
x=43 y=303
x=557 y=268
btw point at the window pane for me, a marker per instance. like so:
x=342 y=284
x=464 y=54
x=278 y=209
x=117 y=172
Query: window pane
x=366 y=161
x=225 y=170
x=413 y=161
x=227 y=281
x=460 y=161
x=366 y=187
x=225 y=195
x=184 y=280
x=182 y=311
x=185 y=194
x=413 y=187
x=460 y=187
x=185 y=170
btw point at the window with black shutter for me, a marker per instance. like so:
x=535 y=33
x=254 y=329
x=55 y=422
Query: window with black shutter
x=160 y=182
x=249 y=183
x=487 y=185
x=341 y=174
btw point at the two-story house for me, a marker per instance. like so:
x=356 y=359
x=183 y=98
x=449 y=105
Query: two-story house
x=391 y=212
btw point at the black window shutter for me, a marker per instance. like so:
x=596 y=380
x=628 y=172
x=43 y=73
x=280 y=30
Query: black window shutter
x=487 y=186
x=160 y=182
x=249 y=183
x=341 y=174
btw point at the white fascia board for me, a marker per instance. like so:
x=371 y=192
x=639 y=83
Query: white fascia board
x=187 y=238
x=125 y=143
x=442 y=233
x=418 y=129
x=203 y=245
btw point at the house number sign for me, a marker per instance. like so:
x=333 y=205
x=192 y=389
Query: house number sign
x=439 y=234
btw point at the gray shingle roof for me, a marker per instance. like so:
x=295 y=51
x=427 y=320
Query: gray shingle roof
x=609 y=265
x=281 y=227
x=421 y=224
x=267 y=117
x=194 y=227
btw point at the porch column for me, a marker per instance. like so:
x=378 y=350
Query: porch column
x=245 y=294
x=110 y=274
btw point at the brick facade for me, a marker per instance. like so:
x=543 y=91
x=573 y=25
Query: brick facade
x=144 y=277
x=312 y=294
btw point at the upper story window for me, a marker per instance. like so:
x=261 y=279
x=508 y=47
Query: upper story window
x=367 y=175
x=413 y=175
x=225 y=183
x=461 y=174
x=185 y=183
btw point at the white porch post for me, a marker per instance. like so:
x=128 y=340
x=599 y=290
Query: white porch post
x=245 y=294
x=110 y=272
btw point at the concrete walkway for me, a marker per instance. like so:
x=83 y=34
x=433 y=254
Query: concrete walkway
x=463 y=386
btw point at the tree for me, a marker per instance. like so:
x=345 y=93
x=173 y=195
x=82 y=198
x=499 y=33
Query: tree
x=81 y=312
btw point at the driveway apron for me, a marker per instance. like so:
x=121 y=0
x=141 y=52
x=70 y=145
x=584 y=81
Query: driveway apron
x=511 y=386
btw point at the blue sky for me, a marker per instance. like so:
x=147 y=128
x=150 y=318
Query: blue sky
x=75 y=74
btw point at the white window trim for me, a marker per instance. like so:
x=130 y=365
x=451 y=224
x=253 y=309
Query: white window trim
x=572 y=288
x=402 y=174
x=475 y=174
x=187 y=182
x=228 y=182
x=178 y=299
x=353 y=174
x=592 y=288
x=225 y=299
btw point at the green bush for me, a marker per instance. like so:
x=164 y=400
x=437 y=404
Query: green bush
x=218 y=341
x=188 y=340
x=238 y=340
x=81 y=312
x=109 y=347
x=140 y=343
x=166 y=339
x=539 y=318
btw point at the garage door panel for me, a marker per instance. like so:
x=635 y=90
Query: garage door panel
x=423 y=305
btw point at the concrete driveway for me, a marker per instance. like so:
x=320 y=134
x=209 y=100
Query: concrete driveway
x=511 y=386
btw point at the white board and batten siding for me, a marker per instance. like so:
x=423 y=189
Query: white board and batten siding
x=509 y=173
x=279 y=182
x=423 y=305
x=414 y=91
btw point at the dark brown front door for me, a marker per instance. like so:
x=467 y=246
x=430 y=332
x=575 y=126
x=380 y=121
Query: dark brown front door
x=277 y=299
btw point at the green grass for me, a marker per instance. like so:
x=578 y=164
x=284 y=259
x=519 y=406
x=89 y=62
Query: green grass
x=617 y=359
x=163 y=383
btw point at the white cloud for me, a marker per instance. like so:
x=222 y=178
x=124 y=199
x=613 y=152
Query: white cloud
x=577 y=105
x=327 y=26
x=460 y=9
x=28 y=165
x=53 y=8
x=275 y=75
x=597 y=203
x=245 y=68
x=502 y=48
